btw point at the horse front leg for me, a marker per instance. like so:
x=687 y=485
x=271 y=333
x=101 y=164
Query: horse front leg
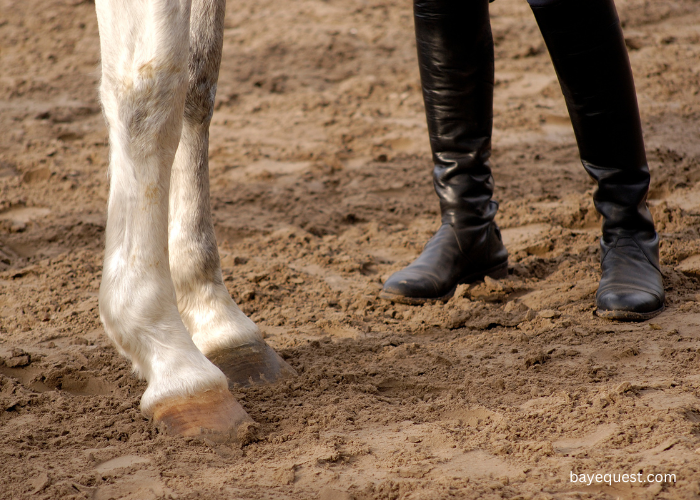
x=217 y=325
x=144 y=45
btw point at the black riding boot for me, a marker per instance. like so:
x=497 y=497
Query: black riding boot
x=455 y=54
x=585 y=42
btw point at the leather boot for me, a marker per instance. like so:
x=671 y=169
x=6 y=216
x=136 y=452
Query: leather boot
x=585 y=41
x=455 y=54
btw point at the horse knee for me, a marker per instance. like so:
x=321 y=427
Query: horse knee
x=145 y=102
x=199 y=102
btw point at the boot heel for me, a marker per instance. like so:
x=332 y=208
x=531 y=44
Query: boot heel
x=498 y=272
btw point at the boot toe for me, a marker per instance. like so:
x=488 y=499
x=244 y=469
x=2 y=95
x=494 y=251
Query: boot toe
x=631 y=286
x=452 y=256
x=631 y=305
x=409 y=287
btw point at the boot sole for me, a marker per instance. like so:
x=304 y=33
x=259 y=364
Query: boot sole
x=628 y=315
x=496 y=272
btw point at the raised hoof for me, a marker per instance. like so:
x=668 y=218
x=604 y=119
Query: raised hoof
x=251 y=364
x=213 y=415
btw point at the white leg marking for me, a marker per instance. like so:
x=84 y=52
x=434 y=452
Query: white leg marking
x=208 y=311
x=144 y=45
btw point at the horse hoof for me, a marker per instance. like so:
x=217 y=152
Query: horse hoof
x=251 y=364
x=214 y=415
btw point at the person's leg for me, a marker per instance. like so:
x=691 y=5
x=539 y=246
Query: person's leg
x=455 y=55
x=585 y=41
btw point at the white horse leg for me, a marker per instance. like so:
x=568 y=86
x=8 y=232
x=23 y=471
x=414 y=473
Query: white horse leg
x=218 y=327
x=144 y=46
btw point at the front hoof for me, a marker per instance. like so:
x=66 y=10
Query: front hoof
x=214 y=415
x=251 y=364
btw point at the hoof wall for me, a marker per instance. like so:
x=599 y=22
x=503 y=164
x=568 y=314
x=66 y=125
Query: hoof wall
x=214 y=415
x=252 y=364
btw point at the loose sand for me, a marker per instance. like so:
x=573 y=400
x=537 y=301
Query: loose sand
x=321 y=188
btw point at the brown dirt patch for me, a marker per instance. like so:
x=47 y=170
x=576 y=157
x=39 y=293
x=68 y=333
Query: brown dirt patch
x=321 y=188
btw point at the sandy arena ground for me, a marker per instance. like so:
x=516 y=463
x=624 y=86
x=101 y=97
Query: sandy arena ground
x=321 y=189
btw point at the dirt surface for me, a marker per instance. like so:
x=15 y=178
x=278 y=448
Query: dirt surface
x=321 y=189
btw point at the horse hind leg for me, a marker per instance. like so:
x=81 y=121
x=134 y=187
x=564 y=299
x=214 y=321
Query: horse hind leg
x=143 y=87
x=217 y=325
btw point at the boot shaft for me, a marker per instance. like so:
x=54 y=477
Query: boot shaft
x=587 y=47
x=456 y=60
